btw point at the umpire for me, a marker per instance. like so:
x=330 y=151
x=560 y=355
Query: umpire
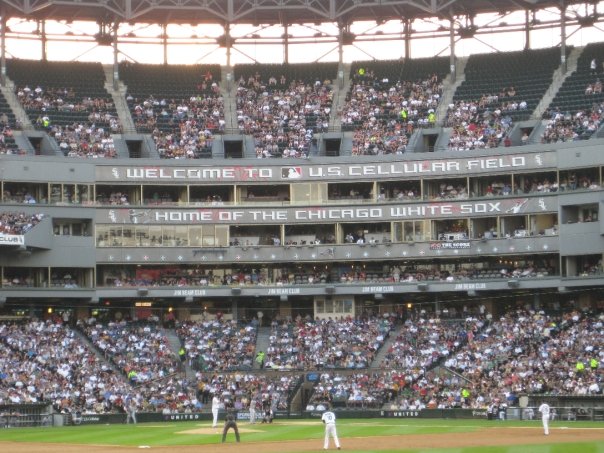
x=230 y=421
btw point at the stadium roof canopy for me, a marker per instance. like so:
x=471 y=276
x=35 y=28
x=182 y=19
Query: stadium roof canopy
x=262 y=11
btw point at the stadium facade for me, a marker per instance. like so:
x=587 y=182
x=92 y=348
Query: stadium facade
x=281 y=227
x=303 y=234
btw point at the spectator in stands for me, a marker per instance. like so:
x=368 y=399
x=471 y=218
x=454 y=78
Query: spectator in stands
x=18 y=223
x=564 y=127
x=80 y=140
x=282 y=119
x=218 y=344
x=385 y=113
x=476 y=128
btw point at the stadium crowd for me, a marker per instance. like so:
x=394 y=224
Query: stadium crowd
x=474 y=127
x=84 y=140
x=523 y=352
x=140 y=350
x=354 y=391
x=384 y=113
x=308 y=276
x=283 y=115
x=565 y=127
x=304 y=343
x=18 y=223
x=218 y=344
x=424 y=341
x=46 y=361
x=181 y=127
x=7 y=143
x=483 y=359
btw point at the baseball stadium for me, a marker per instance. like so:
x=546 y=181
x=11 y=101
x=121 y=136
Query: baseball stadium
x=296 y=225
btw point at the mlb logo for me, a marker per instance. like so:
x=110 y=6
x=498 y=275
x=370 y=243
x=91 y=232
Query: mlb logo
x=291 y=172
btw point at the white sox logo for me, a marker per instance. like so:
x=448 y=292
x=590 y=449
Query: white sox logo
x=517 y=206
x=542 y=204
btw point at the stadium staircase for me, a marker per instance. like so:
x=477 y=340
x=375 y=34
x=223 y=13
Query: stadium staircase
x=600 y=132
x=228 y=91
x=442 y=370
x=8 y=92
x=249 y=147
x=571 y=96
x=97 y=352
x=339 y=98
x=262 y=342
x=442 y=142
x=175 y=344
x=449 y=88
x=118 y=94
x=379 y=358
x=560 y=75
x=149 y=148
x=22 y=142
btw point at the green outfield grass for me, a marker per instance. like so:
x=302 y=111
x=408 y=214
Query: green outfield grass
x=174 y=434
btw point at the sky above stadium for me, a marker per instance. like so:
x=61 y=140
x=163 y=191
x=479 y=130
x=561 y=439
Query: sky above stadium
x=74 y=41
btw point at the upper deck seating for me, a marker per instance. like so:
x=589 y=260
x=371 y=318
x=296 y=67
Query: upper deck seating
x=500 y=80
x=388 y=100
x=63 y=93
x=498 y=90
x=577 y=110
x=180 y=105
x=282 y=106
x=574 y=94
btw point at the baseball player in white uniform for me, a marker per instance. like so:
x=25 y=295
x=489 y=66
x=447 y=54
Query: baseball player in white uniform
x=544 y=409
x=329 y=418
x=215 y=409
x=253 y=411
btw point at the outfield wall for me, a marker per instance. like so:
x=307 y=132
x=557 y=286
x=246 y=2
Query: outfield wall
x=512 y=413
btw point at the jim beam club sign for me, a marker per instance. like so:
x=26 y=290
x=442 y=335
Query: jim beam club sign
x=493 y=207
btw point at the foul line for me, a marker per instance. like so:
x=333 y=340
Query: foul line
x=454 y=426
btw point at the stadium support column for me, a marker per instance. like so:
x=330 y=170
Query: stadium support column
x=3 y=49
x=407 y=39
x=536 y=302
x=527 y=29
x=227 y=42
x=43 y=38
x=286 y=43
x=452 y=58
x=235 y=308
x=116 y=72
x=563 y=34
x=224 y=41
x=341 y=45
x=164 y=35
